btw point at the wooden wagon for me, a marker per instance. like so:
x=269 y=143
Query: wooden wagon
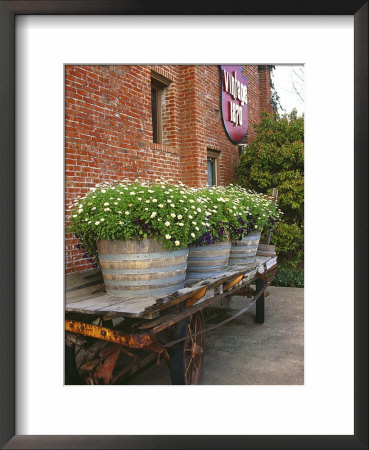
x=109 y=339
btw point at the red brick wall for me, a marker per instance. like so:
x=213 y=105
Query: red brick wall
x=108 y=128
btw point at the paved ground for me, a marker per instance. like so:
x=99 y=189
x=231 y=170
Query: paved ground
x=243 y=352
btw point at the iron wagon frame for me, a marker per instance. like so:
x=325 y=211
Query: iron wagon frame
x=109 y=329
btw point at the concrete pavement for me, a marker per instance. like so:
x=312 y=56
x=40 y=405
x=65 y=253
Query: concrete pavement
x=247 y=353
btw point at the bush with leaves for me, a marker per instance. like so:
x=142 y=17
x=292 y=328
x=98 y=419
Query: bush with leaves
x=275 y=159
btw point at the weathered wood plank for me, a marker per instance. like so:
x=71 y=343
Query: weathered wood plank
x=112 y=306
x=96 y=302
x=82 y=279
x=88 y=301
x=79 y=294
x=272 y=262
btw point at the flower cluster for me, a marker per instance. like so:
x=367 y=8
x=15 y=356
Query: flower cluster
x=220 y=214
x=255 y=212
x=138 y=210
x=232 y=212
x=177 y=215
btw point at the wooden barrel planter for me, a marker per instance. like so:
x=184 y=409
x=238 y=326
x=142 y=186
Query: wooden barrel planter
x=208 y=260
x=266 y=250
x=137 y=269
x=244 y=251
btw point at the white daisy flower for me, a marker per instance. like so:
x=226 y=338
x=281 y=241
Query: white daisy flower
x=168 y=236
x=177 y=243
x=167 y=224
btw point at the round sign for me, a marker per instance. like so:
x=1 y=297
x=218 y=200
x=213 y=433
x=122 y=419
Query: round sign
x=234 y=102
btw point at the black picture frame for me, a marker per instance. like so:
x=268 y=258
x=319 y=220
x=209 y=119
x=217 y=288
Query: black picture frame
x=8 y=12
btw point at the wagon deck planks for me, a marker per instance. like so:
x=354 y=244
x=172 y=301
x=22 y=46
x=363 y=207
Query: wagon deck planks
x=85 y=294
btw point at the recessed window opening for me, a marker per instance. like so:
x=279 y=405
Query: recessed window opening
x=213 y=167
x=158 y=85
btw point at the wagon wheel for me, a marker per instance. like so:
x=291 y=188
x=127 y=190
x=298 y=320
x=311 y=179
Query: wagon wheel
x=95 y=357
x=186 y=359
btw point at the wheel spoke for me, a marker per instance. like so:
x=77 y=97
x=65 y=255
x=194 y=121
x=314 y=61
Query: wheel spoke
x=190 y=333
x=189 y=364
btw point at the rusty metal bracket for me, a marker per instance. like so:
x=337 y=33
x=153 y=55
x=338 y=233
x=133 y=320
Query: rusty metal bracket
x=106 y=334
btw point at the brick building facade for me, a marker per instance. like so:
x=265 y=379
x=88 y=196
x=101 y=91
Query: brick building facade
x=149 y=121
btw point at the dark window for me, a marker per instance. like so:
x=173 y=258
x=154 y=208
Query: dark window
x=158 y=85
x=213 y=167
x=211 y=172
x=154 y=111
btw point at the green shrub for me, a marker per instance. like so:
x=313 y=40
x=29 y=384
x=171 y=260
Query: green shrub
x=275 y=159
x=289 y=242
x=289 y=277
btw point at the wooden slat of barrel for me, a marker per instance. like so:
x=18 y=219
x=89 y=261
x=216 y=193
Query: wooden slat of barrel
x=244 y=251
x=266 y=250
x=208 y=261
x=141 y=268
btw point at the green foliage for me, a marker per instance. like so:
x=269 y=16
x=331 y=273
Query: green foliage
x=177 y=215
x=289 y=277
x=275 y=100
x=138 y=211
x=289 y=240
x=232 y=212
x=275 y=159
x=257 y=212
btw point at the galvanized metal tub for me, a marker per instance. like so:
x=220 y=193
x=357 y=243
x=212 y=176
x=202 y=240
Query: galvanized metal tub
x=244 y=251
x=208 y=260
x=136 y=269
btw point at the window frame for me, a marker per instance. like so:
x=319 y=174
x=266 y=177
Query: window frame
x=215 y=156
x=158 y=84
